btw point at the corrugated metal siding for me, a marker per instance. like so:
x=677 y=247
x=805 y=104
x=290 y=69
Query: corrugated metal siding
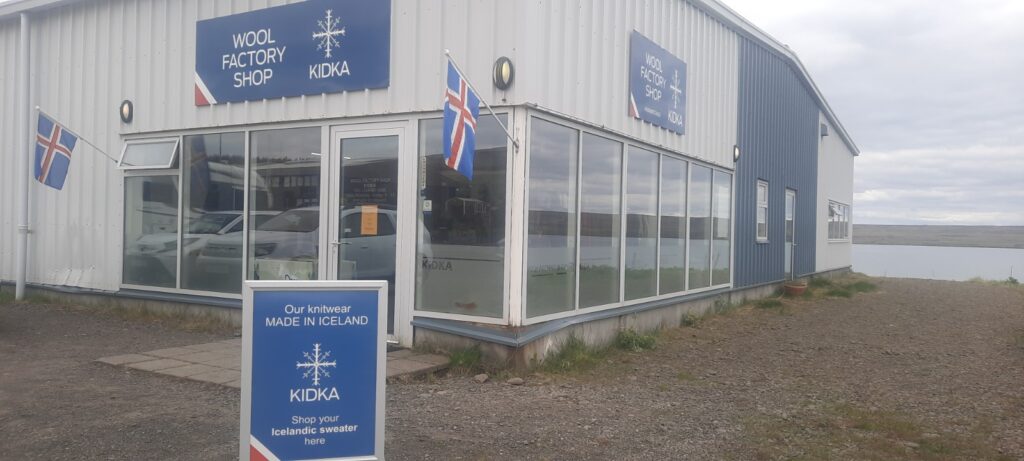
x=778 y=138
x=577 y=64
x=9 y=122
x=89 y=56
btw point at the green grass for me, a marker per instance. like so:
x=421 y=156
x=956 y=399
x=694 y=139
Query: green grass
x=839 y=293
x=468 y=359
x=574 y=355
x=768 y=303
x=6 y=297
x=845 y=431
x=689 y=320
x=629 y=340
x=820 y=282
x=861 y=286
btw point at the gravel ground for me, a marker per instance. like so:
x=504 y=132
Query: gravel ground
x=916 y=370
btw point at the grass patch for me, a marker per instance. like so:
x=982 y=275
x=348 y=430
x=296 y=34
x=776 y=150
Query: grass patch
x=839 y=293
x=468 y=359
x=629 y=340
x=820 y=282
x=768 y=303
x=6 y=297
x=574 y=355
x=689 y=320
x=844 y=431
x=861 y=286
x=685 y=376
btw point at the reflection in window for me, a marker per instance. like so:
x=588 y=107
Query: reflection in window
x=641 y=223
x=213 y=172
x=721 y=229
x=600 y=212
x=150 y=231
x=700 y=227
x=838 y=221
x=461 y=225
x=551 y=243
x=673 y=226
x=284 y=205
x=762 y=211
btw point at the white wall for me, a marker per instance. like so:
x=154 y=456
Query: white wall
x=835 y=182
x=88 y=56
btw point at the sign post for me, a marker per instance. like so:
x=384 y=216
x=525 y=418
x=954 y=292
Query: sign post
x=313 y=368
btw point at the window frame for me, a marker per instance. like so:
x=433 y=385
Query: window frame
x=627 y=142
x=759 y=205
x=843 y=221
x=134 y=142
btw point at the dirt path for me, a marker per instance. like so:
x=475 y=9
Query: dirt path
x=916 y=370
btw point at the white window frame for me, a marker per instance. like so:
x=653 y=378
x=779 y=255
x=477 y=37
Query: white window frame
x=843 y=219
x=761 y=204
x=134 y=142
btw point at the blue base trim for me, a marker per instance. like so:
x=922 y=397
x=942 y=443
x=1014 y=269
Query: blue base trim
x=519 y=337
x=141 y=295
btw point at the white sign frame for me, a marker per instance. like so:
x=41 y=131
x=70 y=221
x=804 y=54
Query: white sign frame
x=245 y=406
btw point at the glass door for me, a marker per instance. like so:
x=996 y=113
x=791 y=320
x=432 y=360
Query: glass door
x=365 y=227
x=790 y=231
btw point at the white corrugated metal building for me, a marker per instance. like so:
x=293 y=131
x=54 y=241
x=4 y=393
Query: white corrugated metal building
x=552 y=235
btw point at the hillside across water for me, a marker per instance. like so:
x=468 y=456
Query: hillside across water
x=950 y=236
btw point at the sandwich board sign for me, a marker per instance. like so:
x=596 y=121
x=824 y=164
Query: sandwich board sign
x=313 y=367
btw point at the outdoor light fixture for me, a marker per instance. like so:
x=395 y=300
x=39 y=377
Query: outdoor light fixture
x=127 y=111
x=735 y=154
x=503 y=73
x=824 y=130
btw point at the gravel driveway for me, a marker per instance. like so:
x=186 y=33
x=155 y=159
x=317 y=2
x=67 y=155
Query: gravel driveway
x=916 y=370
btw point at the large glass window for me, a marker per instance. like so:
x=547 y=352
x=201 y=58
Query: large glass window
x=673 y=226
x=284 y=205
x=721 y=223
x=213 y=172
x=150 y=231
x=700 y=227
x=641 y=223
x=600 y=224
x=551 y=241
x=461 y=248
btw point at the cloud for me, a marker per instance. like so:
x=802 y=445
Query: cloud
x=931 y=92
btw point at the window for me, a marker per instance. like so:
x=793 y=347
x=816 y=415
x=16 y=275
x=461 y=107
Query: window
x=600 y=222
x=284 y=206
x=148 y=153
x=461 y=225
x=721 y=225
x=151 y=231
x=700 y=227
x=213 y=197
x=672 y=274
x=762 y=211
x=551 y=228
x=838 y=221
x=641 y=224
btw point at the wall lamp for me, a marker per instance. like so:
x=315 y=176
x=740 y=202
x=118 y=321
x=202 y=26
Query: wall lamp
x=127 y=111
x=735 y=154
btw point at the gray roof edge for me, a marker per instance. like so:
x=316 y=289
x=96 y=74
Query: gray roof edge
x=743 y=26
x=21 y=6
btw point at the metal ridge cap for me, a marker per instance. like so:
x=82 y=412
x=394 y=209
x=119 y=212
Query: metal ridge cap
x=743 y=25
x=15 y=7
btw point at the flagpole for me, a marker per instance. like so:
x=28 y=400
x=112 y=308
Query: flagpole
x=80 y=137
x=448 y=54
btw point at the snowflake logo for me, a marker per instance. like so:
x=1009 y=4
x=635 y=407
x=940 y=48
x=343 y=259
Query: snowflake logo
x=316 y=364
x=328 y=33
x=676 y=90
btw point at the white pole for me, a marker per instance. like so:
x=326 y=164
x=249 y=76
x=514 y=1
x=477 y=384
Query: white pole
x=23 y=160
x=515 y=143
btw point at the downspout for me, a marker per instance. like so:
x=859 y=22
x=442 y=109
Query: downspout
x=23 y=164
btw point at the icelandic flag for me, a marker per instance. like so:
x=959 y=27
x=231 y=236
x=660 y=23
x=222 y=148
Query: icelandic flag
x=54 y=145
x=461 y=109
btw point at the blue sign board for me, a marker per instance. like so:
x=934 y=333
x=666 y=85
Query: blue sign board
x=313 y=370
x=311 y=47
x=657 y=85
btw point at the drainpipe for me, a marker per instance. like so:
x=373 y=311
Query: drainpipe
x=23 y=163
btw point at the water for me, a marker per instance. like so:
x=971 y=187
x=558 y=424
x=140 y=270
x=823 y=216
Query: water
x=939 y=263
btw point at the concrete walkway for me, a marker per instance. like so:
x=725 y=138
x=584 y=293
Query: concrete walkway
x=221 y=362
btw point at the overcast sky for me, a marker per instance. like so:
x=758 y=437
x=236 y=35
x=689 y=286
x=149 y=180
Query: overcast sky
x=932 y=93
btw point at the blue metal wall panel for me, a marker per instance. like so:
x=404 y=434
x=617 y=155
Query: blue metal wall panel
x=778 y=139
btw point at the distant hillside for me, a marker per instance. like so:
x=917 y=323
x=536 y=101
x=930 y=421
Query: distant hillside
x=954 y=236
